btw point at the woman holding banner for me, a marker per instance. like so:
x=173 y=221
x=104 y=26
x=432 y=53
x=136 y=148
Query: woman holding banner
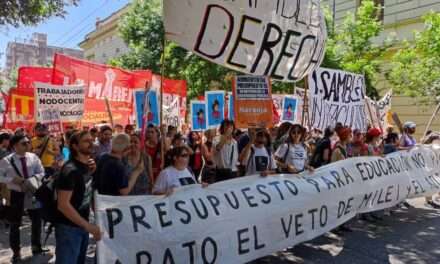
x=136 y=156
x=226 y=152
x=292 y=156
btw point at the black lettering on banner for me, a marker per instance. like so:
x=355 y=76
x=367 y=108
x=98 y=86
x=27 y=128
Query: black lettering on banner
x=203 y=30
x=312 y=213
x=178 y=207
x=161 y=213
x=240 y=39
x=190 y=245
x=389 y=193
x=336 y=176
x=276 y=183
x=347 y=176
x=260 y=188
x=257 y=246
x=113 y=221
x=284 y=53
x=298 y=224
x=291 y=186
x=297 y=57
x=241 y=241
x=344 y=207
x=323 y=216
x=235 y=205
x=204 y=251
x=248 y=197
x=328 y=182
x=140 y=257
x=282 y=11
x=267 y=46
x=138 y=219
x=215 y=202
x=168 y=257
x=314 y=183
x=201 y=215
x=287 y=228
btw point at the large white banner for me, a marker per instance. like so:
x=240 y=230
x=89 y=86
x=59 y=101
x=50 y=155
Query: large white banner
x=283 y=39
x=337 y=96
x=68 y=100
x=246 y=218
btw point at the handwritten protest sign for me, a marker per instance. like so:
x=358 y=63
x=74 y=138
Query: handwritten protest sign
x=52 y=119
x=228 y=222
x=171 y=113
x=68 y=100
x=198 y=116
x=337 y=96
x=252 y=101
x=215 y=107
x=283 y=39
x=377 y=110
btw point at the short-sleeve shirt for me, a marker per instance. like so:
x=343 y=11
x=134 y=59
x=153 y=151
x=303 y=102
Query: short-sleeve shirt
x=111 y=176
x=172 y=178
x=297 y=155
x=259 y=160
x=227 y=157
x=75 y=177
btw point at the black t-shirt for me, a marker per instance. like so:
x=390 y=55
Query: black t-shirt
x=318 y=156
x=111 y=176
x=75 y=177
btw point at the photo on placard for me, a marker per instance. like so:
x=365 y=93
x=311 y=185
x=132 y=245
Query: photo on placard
x=139 y=98
x=231 y=110
x=153 y=107
x=215 y=104
x=198 y=116
x=290 y=108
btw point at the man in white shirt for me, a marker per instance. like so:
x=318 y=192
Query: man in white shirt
x=257 y=155
x=226 y=152
x=22 y=171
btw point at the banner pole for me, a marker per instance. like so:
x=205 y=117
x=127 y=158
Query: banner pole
x=109 y=112
x=305 y=102
x=370 y=113
x=431 y=120
x=162 y=73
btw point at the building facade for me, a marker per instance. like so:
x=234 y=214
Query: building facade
x=34 y=52
x=104 y=43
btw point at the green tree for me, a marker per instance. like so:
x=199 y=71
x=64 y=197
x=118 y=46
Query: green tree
x=31 y=12
x=415 y=68
x=350 y=46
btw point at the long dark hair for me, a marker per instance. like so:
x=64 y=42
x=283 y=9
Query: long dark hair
x=74 y=140
x=172 y=154
x=294 y=127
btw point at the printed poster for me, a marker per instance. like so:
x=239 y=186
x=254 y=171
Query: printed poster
x=198 y=116
x=215 y=107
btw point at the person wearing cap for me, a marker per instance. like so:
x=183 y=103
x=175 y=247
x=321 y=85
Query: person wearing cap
x=407 y=139
x=44 y=147
x=21 y=171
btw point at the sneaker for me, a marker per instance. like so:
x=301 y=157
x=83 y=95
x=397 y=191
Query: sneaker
x=16 y=258
x=433 y=205
x=39 y=251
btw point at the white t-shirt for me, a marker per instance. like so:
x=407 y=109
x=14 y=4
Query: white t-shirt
x=222 y=158
x=296 y=157
x=172 y=178
x=260 y=161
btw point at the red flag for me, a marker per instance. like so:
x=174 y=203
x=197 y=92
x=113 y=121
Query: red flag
x=28 y=75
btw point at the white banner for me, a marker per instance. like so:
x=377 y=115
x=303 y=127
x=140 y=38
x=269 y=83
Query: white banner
x=246 y=218
x=377 y=110
x=171 y=113
x=283 y=39
x=337 y=96
x=68 y=100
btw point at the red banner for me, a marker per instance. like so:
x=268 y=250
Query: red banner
x=27 y=75
x=20 y=109
x=102 y=82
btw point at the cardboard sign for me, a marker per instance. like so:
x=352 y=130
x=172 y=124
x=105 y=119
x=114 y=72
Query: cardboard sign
x=239 y=220
x=252 y=101
x=198 y=116
x=337 y=96
x=215 y=107
x=68 y=100
x=171 y=113
x=282 y=39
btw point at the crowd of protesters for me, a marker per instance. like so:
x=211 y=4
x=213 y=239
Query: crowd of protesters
x=120 y=161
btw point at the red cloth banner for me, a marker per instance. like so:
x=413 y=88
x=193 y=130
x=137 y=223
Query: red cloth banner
x=101 y=82
x=20 y=109
x=27 y=75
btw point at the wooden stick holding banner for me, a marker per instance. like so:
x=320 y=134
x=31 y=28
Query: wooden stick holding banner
x=162 y=130
x=145 y=114
x=367 y=103
x=398 y=123
x=431 y=120
x=109 y=112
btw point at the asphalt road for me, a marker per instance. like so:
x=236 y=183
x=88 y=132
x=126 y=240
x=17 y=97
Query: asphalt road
x=408 y=236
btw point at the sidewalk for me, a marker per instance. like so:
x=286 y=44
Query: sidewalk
x=408 y=236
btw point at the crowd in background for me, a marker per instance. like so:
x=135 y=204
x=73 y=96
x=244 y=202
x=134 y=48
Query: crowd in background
x=121 y=161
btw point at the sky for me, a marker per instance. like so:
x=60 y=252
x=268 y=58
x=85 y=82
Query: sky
x=64 y=32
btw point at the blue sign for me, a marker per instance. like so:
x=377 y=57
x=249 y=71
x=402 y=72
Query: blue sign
x=290 y=108
x=215 y=106
x=198 y=116
x=151 y=110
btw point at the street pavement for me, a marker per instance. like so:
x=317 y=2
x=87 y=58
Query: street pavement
x=408 y=236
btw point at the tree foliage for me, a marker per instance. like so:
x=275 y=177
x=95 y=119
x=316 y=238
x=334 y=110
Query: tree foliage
x=348 y=48
x=415 y=69
x=31 y=12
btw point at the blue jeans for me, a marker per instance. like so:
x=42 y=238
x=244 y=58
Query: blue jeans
x=71 y=244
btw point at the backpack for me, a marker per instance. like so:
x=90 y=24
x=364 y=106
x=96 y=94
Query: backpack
x=46 y=195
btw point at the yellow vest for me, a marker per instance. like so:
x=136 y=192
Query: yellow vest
x=47 y=159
